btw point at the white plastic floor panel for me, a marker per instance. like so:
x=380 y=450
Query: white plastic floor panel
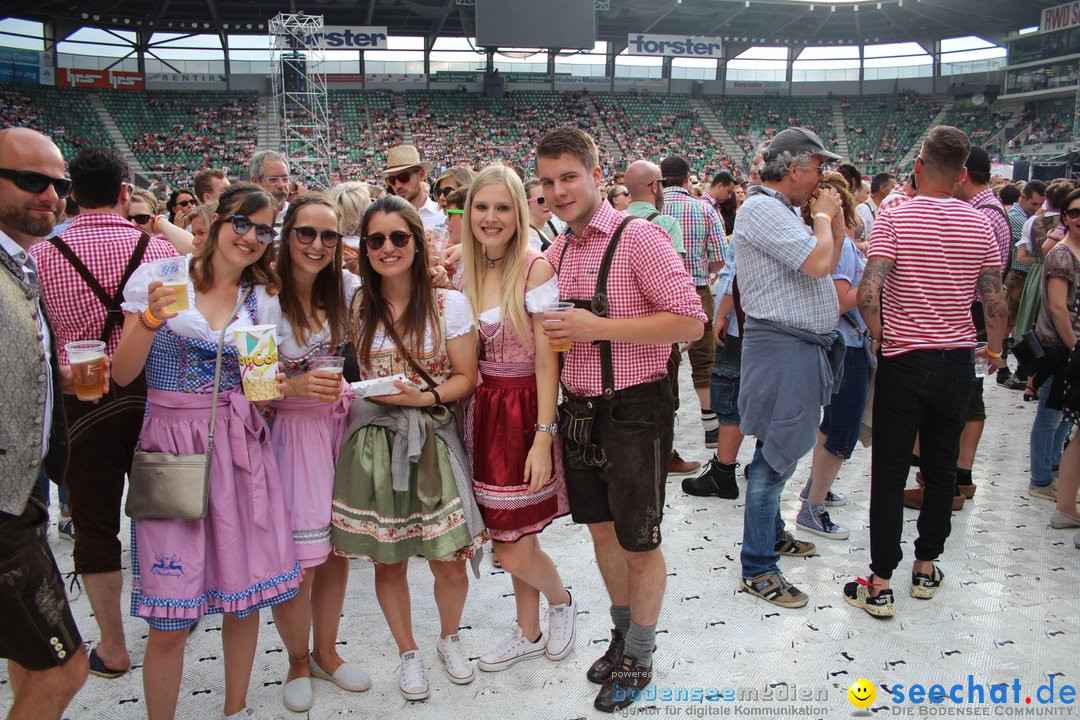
x=1009 y=609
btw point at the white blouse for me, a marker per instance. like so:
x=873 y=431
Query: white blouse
x=535 y=301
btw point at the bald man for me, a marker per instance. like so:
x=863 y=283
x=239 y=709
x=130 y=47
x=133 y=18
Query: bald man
x=38 y=636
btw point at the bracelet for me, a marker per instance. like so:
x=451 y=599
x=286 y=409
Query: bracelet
x=992 y=354
x=435 y=394
x=550 y=429
x=827 y=216
x=149 y=322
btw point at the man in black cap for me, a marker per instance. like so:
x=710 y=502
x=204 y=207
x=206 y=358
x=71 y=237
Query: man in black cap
x=791 y=351
x=703 y=238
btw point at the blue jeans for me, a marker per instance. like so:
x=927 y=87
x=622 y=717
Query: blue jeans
x=842 y=420
x=43 y=483
x=724 y=381
x=1048 y=433
x=762 y=525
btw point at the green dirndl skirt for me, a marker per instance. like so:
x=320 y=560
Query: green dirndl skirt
x=370 y=519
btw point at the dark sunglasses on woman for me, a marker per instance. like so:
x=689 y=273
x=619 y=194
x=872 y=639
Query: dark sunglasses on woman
x=34 y=182
x=307 y=235
x=399 y=238
x=241 y=225
x=140 y=219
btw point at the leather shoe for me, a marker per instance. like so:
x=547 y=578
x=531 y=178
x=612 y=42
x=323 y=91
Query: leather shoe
x=968 y=491
x=600 y=671
x=677 y=466
x=913 y=498
x=624 y=687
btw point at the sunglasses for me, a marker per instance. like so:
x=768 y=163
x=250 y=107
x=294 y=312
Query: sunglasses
x=241 y=226
x=307 y=235
x=624 y=192
x=454 y=211
x=34 y=182
x=1072 y=213
x=399 y=238
x=401 y=177
x=184 y=203
x=140 y=219
x=540 y=200
x=443 y=191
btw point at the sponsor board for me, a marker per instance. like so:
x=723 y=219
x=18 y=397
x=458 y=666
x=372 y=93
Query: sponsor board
x=185 y=77
x=100 y=79
x=1060 y=17
x=674 y=45
x=581 y=80
x=341 y=37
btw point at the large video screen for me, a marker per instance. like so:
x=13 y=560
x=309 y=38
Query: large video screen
x=536 y=23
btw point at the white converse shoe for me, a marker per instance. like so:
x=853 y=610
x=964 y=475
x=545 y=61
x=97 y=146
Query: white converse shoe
x=513 y=649
x=457 y=664
x=562 y=627
x=412 y=680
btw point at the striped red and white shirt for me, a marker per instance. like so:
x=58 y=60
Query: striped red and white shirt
x=939 y=247
x=104 y=242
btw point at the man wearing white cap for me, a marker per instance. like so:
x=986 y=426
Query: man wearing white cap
x=405 y=173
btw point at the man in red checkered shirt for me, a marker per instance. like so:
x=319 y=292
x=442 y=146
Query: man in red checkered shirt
x=103 y=435
x=617 y=418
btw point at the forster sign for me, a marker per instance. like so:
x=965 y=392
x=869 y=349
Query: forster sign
x=339 y=37
x=673 y=46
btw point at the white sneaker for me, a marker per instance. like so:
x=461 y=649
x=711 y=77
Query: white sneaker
x=245 y=714
x=457 y=664
x=562 y=627
x=511 y=650
x=412 y=680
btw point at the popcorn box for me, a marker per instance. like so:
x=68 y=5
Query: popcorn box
x=257 y=346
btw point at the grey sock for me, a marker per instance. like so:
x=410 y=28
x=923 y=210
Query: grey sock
x=640 y=642
x=620 y=615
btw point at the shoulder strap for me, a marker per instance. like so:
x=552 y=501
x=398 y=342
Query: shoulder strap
x=653 y=216
x=81 y=269
x=600 y=307
x=998 y=208
x=217 y=376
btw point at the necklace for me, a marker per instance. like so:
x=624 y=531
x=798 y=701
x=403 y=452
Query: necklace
x=491 y=261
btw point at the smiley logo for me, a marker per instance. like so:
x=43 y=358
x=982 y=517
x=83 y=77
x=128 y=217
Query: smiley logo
x=861 y=693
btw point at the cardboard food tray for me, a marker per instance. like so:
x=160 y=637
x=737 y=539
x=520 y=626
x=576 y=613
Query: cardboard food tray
x=378 y=386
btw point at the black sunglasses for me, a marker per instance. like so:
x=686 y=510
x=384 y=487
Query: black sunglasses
x=1072 y=213
x=307 y=235
x=401 y=177
x=399 y=238
x=185 y=203
x=140 y=219
x=242 y=225
x=540 y=200
x=34 y=182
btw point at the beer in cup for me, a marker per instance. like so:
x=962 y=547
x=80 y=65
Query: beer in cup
x=258 y=355
x=330 y=365
x=558 y=307
x=87 y=359
x=173 y=274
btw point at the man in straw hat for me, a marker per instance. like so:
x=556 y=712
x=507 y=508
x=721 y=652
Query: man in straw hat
x=405 y=173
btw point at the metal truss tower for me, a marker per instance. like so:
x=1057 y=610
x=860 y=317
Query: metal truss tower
x=300 y=98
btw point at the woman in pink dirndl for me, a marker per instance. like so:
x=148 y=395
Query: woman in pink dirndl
x=517 y=468
x=240 y=557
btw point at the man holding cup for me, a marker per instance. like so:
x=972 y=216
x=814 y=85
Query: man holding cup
x=633 y=298
x=83 y=273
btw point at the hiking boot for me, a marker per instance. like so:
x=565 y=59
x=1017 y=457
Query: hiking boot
x=815 y=519
x=714 y=481
x=794 y=548
x=831 y=499
x=677 y=466
x=924 y=586
x=600 y=671
x=857 y=594
x=772 y=587
x=624 y=687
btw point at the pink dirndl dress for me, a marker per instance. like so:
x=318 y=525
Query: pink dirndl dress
x=238 y=558
x=500 y=429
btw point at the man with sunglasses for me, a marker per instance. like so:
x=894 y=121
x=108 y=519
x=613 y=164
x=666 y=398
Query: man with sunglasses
x=405 y=173
x=38 y=636
x=270 y=171
x=83 y=273
x=542 y=220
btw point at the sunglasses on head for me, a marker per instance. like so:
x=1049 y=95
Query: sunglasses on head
x=401 y=177
x=399 y=238
x=36 y=183
x=1072 y=213
x=184 y=203
x=140 y=219
x=307 y=235
x=241 y=225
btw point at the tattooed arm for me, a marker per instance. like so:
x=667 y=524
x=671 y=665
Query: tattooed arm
x=869 y=293
x=994 y=309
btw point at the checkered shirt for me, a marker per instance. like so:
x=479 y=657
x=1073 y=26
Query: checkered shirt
x=703 y=231
x=773 y=244
x=998 y=224
x=1017 y=218
x=104 y=242
x=646 y=277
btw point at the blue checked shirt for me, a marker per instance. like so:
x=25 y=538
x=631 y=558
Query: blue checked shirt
x=703 y=232
x=773 y=244
x=1017 y=218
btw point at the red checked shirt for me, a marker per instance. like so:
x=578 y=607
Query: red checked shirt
x=646 y=277
x=105 y=243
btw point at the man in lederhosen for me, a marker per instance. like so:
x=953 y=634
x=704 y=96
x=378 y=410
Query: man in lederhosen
x=617 y=419
x=83 y=273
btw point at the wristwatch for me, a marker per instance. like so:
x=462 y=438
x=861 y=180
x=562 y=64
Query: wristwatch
x=552 y=429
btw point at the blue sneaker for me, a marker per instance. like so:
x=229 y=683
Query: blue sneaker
x=832 y=499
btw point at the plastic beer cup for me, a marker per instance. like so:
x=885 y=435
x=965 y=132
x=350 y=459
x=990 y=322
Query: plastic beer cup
x=87 y=359
x=173 y=274
x=556 y=307
x=329 y=365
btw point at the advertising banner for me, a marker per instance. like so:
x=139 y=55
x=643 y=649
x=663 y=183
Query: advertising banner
x=1060 y=17
x=690 y=46
x=341 y=37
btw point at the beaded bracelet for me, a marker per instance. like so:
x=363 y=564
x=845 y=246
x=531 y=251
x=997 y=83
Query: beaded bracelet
x=149 y=322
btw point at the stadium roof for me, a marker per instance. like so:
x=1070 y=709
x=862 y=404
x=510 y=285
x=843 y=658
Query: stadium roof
x=750 y=21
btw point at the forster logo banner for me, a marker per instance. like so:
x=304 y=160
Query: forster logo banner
x=1060 y=17
x=673 y=45
x=340 y=37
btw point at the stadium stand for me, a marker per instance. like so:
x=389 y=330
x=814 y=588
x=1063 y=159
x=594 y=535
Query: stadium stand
x=67 y=116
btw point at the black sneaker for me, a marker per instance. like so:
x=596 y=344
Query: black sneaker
x=1003 y=376
x=714 y=481
x=857 y=593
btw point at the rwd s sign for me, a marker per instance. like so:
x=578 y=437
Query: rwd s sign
x=340 y=37
x=673 y=45
x=1060 y=17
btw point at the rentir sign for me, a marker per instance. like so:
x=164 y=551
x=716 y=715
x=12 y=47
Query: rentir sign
x=339 y=37
x=673 y=46
x=1060 y=17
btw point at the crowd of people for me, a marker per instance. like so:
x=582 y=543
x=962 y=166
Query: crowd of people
x=451 y=359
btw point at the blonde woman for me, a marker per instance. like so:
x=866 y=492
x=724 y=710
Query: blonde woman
x=517 y=468
x=352 y=200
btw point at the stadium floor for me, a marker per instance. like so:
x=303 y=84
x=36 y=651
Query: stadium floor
x=1008 y=610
